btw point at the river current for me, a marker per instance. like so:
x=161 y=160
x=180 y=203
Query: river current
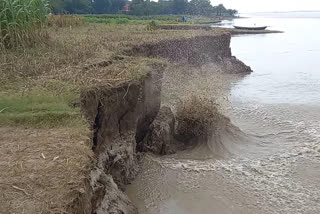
x=271 y=157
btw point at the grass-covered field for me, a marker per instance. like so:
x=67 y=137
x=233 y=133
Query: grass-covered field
x=127 y=19
x=160 y=19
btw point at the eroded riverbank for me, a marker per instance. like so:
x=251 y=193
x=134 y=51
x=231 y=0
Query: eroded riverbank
x=120 y=99
x=190 y=182
x=121 y=116
x=274 y=165
x=42 y=92
x=268 y=166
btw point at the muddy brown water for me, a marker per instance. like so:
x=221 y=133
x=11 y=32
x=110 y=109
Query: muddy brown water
x=268 y=159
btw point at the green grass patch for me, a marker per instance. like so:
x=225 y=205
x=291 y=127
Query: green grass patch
x=128 y=19
x=39 y=110
x=159 y=19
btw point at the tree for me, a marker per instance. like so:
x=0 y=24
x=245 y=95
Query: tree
x=101 y=6
x=232 y=12
x=179 y=6
x=117 y=5
x=220 y=9
x=57 y=6
x=137 y=1
x=108 y=6
x=70 y=6
x=200 y=7
x=145 y=8
x=140 y=7
x=165 y=7
x=78 y=6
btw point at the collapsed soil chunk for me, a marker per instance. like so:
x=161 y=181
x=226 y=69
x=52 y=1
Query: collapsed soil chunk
x=160 y=138
x=197 y=117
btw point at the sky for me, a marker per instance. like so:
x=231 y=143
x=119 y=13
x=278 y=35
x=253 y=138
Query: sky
x=244 y=6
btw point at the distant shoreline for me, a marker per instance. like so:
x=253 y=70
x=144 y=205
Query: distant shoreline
x=291 y=14
x=298 y=11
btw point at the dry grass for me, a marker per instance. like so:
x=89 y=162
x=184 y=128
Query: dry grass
x=63 y=64
x=64 y=57
x=70 y=50
x=65 y=21
x=42 y=170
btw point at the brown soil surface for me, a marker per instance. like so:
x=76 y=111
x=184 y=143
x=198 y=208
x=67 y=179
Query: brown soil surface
x=43 y=170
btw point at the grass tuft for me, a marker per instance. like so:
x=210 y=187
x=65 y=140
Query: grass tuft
x=21 y=22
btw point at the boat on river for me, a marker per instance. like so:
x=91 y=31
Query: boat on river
x=250 y=28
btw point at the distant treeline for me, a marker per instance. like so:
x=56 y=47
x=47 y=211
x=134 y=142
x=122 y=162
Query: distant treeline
x=140 y=7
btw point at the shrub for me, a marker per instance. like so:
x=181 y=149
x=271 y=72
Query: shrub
x=122 y=21
x=152 y=26
x=196 y=117
x=21 y=21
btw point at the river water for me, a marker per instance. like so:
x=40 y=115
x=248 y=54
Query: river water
x=272 y=163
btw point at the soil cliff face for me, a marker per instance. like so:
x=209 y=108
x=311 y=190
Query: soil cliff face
x=197 y=50
x=121 y=117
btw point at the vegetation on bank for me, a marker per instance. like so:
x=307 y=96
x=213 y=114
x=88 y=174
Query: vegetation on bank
x=43 y=82
x=38 y=109
x=21 y=21
x=140 y=7
x=131 y=19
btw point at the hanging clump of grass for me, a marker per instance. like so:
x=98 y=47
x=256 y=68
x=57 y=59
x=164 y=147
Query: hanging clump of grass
x=21 y=22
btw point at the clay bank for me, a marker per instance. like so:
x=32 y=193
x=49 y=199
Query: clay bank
x=127 y=120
